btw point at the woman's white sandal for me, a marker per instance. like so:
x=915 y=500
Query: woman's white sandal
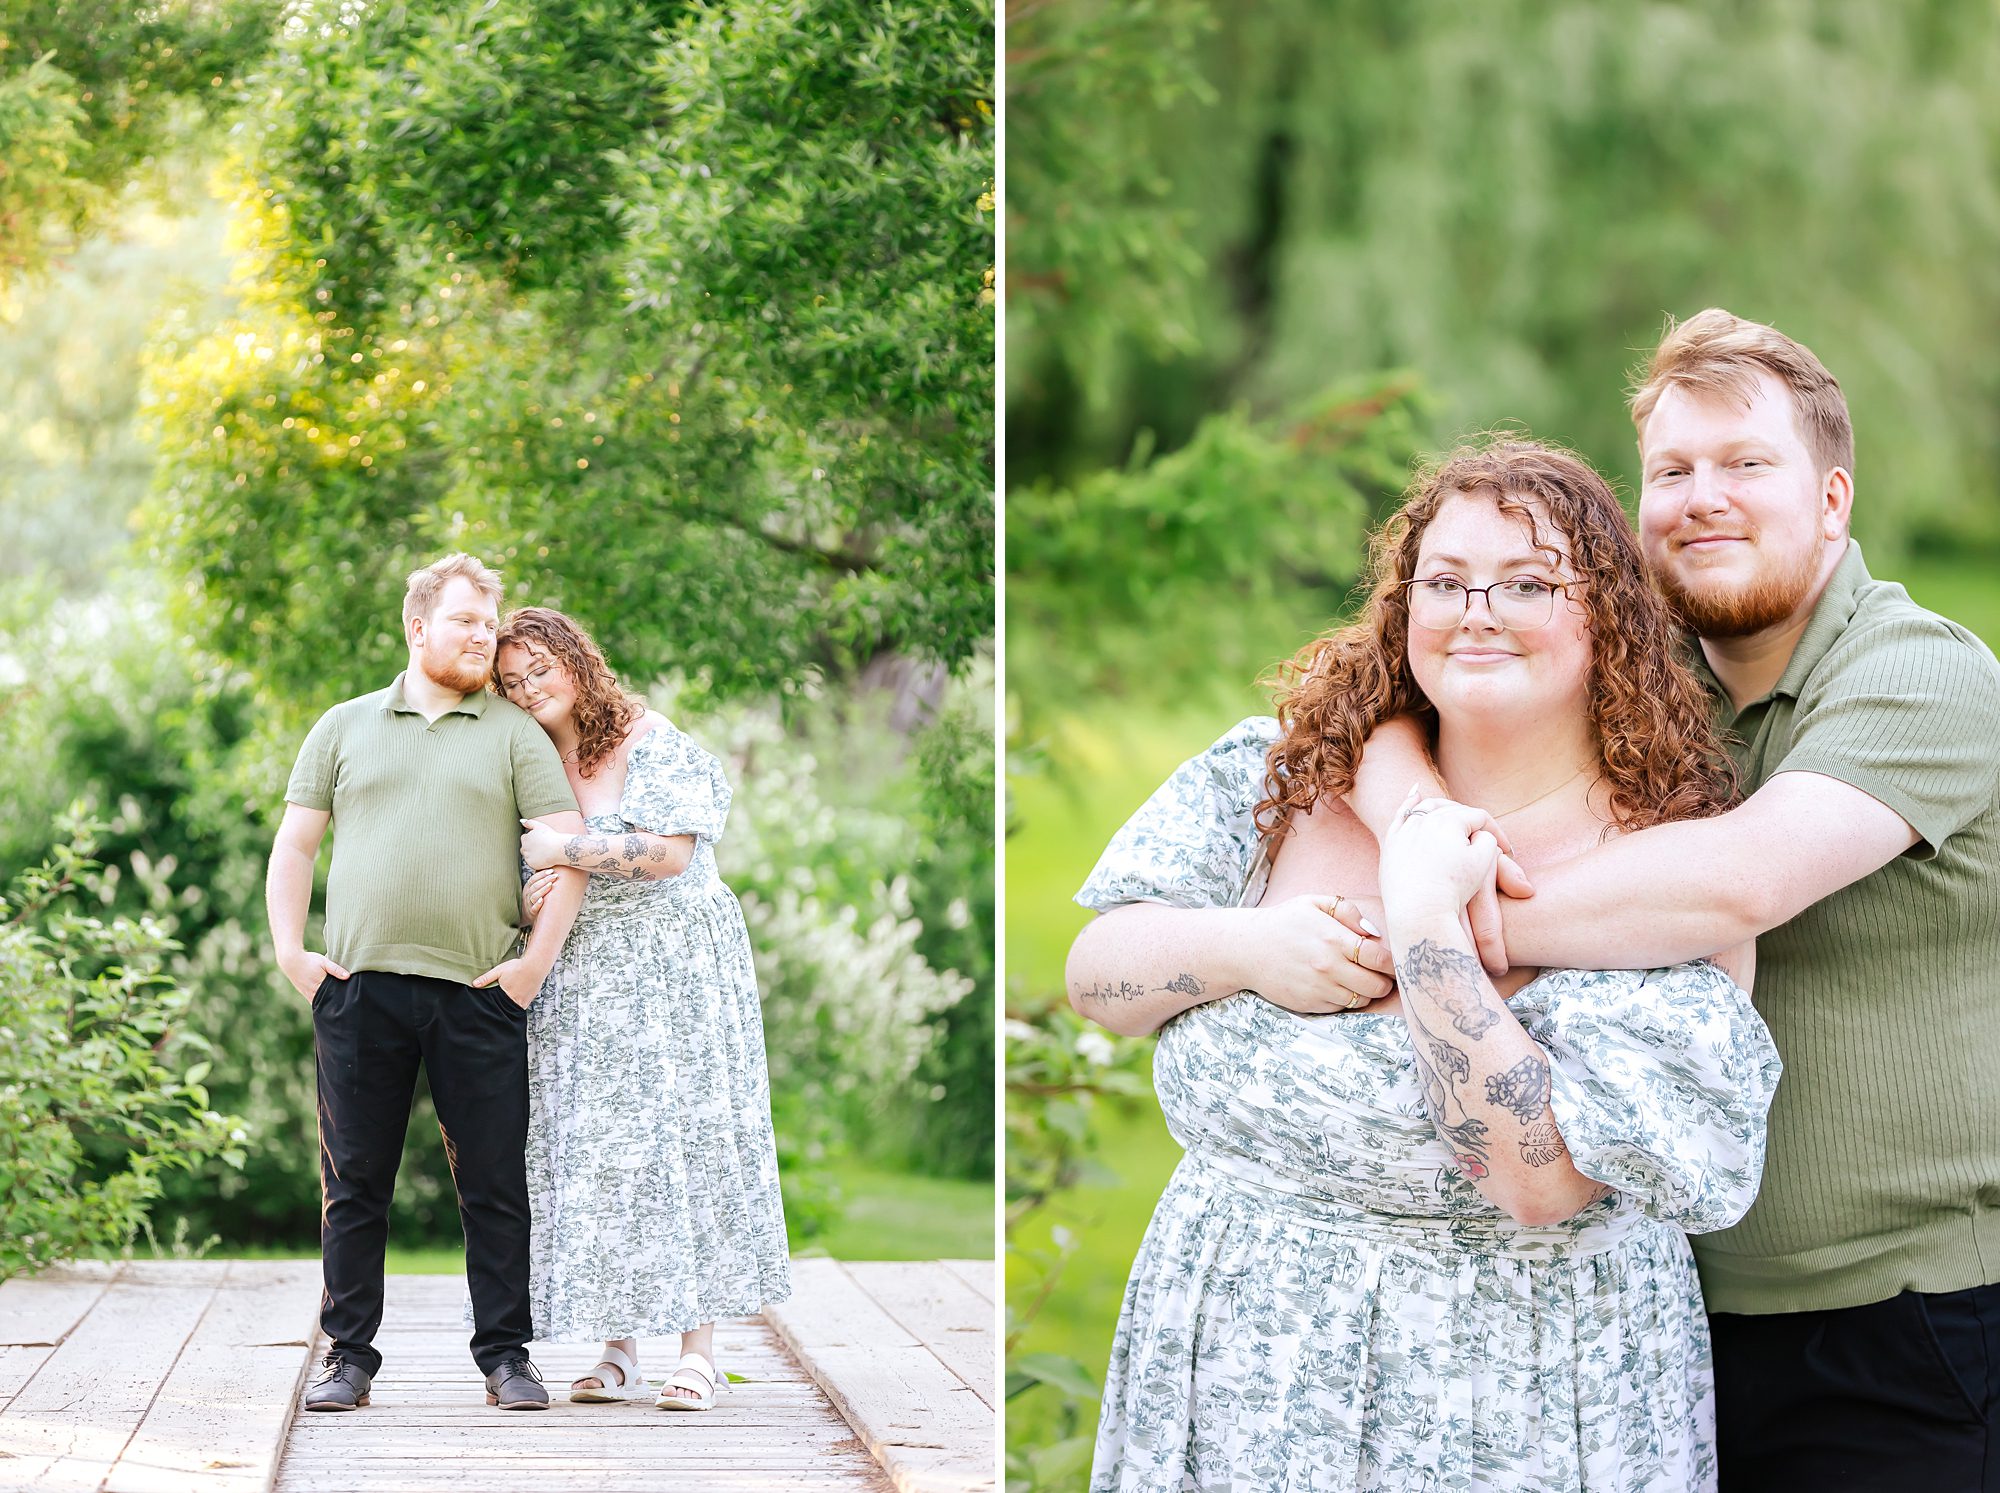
x=697 y=1375
x=624 y=1365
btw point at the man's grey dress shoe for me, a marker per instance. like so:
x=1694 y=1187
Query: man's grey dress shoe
x=339 y=1385
x=516 y=1386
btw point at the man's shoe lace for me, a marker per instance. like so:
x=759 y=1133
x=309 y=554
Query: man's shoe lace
x=331 y=1368
x=523 y=1366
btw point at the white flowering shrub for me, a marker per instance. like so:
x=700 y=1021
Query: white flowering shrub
x=849 y=1001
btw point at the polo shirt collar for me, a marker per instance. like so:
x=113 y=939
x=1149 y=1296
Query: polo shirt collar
x=397 y=703
x=1830 y=616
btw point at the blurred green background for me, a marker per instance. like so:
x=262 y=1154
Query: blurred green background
x=680 y=316
x=1261 y=255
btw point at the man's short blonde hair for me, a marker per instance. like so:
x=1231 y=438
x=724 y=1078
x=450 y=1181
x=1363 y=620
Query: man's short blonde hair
x=1720 y=355
x=421 y=596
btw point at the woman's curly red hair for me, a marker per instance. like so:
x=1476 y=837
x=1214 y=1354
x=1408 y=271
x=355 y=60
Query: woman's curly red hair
x=604 y=708
x=1662 y=758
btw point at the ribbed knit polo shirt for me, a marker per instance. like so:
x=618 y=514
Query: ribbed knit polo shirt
x=1883 y=1173
x=426 y=828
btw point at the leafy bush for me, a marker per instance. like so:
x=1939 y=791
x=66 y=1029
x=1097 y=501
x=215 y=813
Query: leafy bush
x=94 y=1102
x=1059 y=1068
x=838 y=875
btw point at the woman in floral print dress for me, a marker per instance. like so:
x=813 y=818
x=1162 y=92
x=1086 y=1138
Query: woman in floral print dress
x=1439 y=1242
x=651 y=1162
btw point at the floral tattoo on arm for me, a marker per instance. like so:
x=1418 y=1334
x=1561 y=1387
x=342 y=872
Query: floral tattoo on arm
x=638 y=855
x=1452 y=981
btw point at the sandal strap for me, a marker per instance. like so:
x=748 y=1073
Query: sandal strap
x=694 y=1363
x=614 y=1358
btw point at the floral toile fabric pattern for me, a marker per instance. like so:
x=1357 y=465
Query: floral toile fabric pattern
x=1322 y=1302
x=651 y=1164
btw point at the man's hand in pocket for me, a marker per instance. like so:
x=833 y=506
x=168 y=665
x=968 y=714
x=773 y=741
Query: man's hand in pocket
x=308 y=972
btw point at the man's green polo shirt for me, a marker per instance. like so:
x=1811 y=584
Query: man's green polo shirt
x=1884 y=1167
x=426 y=828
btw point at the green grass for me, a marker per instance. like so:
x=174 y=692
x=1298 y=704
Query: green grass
x=1962 y=590
x=895 y=1216
x=887 y=1216
x=1100 y=768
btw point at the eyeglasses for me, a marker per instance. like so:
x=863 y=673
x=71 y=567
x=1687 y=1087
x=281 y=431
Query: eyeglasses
x=537 y=676
x=1439 y=601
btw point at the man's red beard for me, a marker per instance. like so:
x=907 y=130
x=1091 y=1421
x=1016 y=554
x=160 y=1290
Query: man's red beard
x=452 y=671
x=1717 y=607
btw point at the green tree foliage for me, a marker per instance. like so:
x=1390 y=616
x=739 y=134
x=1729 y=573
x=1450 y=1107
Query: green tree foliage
x=74 y=462
x=1208 y=561
x=1509 y=198
x=1097 y=251
x=95 y=1102
x=679 y=314
x=92 y=92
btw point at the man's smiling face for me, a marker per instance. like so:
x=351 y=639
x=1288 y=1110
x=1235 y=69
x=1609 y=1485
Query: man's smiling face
x=1732 y=511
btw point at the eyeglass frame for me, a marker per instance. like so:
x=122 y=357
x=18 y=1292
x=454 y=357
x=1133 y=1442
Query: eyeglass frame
x=1468 y=592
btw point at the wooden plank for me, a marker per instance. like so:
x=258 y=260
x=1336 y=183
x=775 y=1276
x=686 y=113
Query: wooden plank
x=940 y=1311
x=17 y=1367
x=67 y=1427
x=428 y=1430
x=38 y=1311
x=978 y=1274
x=219 y=1419
x=655 y=1469
x=926 y=1427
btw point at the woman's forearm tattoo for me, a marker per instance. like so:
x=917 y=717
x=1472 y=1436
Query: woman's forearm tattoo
x=1132 y=990
x=635 y=856
x=1452 y=981
x=1451 y=977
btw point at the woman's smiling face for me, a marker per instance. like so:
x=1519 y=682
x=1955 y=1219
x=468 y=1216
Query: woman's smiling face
x=536 y=683
x=1482 y=668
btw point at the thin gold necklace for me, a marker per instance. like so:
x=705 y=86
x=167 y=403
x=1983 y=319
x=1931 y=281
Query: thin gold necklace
x=1540 y=796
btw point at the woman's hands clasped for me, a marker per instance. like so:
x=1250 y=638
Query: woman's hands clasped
x=1318 y=954
x=1438 y=856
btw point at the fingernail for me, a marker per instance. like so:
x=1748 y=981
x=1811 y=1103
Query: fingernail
x=1370 y=929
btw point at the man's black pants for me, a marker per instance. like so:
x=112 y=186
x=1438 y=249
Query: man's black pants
x=1894 y=1397
x=370 y=1033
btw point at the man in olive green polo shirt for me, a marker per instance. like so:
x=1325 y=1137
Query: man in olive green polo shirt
x=425 y=784
x=1855 y=1313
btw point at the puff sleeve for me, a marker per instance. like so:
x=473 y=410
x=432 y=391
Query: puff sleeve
x=673 y=787
x=1193 y=842
x=1660 y=1081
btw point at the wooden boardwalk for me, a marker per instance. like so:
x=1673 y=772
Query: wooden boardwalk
x=182 y=1377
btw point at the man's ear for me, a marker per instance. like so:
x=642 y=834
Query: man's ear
x=1836 y=504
